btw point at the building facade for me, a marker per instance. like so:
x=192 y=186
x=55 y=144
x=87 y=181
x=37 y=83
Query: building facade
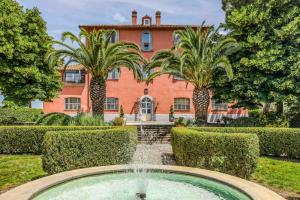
x=151 y=102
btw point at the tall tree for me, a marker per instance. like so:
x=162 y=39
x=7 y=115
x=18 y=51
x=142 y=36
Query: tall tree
x=99 y=57
x=268 y=66
x=228 y=5
x=195 y=57
x=24 y=42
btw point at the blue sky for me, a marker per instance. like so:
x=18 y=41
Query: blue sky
x=66 y=15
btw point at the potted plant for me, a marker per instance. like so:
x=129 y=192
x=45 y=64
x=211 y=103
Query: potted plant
x=171 y=114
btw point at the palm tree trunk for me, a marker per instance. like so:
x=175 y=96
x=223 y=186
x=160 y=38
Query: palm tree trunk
x=201 y=103
x=98 y=95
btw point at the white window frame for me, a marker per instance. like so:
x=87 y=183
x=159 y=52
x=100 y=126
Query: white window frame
x=147 y=22
x=185 y=105
x=215 y=105
x=73 y=77
x=146 y=42
x=72 y=103
x=111 y=105
x=113 y=75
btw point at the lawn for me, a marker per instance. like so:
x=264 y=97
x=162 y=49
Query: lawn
x=283 y=175
x=16 y=170
x=279 y=174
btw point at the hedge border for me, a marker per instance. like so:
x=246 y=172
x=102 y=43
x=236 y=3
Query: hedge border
x=28 y=139
x=273 y=141
x=235 y=153
x=67 y=150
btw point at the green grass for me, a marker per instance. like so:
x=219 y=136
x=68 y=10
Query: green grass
x=16 y=170
x=280 y=174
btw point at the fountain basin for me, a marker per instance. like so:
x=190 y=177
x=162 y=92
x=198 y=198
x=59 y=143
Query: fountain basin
x=165 y=182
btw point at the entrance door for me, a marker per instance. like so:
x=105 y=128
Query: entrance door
x=146 y=109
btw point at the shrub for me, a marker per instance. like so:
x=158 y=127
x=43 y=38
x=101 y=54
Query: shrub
x=86 y=119
x=273 y=141
x=234 y=154
x=7 y=120
x=67 y=150
x=122 y=112
x=21 y=114
x=179 y=121
x=54 y=119
x=242 y=122
x=28 y=139
x=119 y=121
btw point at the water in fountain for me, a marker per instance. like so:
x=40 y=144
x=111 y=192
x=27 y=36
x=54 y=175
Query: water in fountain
x=141 y=161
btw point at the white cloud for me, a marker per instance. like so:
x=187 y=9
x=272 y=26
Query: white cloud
x=120 y=18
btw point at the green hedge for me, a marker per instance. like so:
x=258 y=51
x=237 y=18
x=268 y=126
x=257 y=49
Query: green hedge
x=273 y=141
x=28 y=139
x=22 y=114
x=234 y=154
x=67 y=150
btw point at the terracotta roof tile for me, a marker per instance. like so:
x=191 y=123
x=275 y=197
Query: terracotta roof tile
x=73 y=67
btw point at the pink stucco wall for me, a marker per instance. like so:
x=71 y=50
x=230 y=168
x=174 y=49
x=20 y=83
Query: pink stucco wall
x=163 y=89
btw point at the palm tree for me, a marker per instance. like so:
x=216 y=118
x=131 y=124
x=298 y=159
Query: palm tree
x=99 y=56
x=195 y=58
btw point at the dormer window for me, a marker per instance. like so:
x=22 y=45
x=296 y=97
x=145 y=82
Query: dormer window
x=146 y=22
x=146 y=41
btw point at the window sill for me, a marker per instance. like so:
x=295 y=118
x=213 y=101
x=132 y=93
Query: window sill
x=144 y=51
x=214 y=109
x=182 y=110
x=74 y=84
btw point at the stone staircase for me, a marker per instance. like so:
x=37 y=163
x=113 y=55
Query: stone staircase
x=158 y=133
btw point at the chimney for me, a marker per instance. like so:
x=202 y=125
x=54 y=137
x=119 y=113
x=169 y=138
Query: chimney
x=134 y=17
x=158 y=18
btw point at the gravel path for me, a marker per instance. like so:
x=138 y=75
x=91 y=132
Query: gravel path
x=155 y=154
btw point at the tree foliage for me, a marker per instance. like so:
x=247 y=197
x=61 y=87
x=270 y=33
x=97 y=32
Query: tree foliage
x=195 y=58
x=267 y=69
x=24 y=75
x=99 y=57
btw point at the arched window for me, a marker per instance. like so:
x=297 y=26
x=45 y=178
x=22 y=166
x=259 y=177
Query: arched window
x=176 y=39
x=146 y=41
x=72 y=103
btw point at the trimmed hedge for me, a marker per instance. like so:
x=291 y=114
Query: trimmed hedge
x=28 y=139
x=21 y=114
x=67 y=150
x=273 y=141
x=234 y=154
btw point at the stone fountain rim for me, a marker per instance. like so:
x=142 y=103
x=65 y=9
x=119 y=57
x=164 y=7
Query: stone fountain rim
x=28 y=190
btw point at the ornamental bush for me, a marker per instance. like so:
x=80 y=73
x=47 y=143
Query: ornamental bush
x=67 y=150
x=234 y=154
x=28 y=139
x=21 y=114
x=273 y=141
